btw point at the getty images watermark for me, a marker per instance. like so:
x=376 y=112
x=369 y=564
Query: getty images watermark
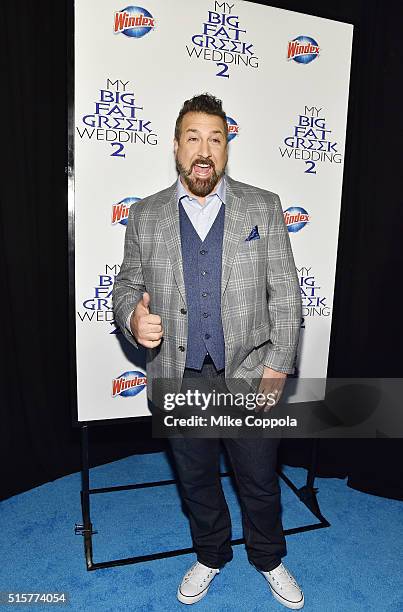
x=302 y=408
x=213 y=413
x=194 y=398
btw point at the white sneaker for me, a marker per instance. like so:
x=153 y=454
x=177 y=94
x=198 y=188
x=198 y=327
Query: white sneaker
x=284 y=587
x=195 y=583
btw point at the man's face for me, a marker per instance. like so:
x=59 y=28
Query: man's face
x=201 y=153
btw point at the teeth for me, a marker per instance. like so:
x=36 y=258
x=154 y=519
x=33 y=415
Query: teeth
x=203 y=165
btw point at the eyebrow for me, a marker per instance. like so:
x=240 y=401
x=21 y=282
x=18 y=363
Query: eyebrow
x=198 y=131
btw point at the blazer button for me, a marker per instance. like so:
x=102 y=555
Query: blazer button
x=181 y=348
x=183 y=311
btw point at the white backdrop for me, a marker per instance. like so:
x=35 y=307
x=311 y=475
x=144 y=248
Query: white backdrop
x=283 y=78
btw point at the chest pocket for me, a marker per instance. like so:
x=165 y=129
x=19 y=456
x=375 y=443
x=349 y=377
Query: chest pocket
x=251 y=258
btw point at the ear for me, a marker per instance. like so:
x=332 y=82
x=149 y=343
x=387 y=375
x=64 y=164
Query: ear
x=176 y=145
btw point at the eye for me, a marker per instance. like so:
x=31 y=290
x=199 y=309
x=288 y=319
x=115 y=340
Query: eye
x=216 y=140
x=193 y=138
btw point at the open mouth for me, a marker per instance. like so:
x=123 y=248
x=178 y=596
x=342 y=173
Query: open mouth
x=202 y=170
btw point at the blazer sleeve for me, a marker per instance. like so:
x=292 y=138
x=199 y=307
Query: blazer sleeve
x=284 y=296
x=129 y=283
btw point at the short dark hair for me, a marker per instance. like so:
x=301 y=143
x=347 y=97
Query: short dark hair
x=204 y=103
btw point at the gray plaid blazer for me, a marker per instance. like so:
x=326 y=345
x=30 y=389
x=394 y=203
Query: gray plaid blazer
x=260 y=294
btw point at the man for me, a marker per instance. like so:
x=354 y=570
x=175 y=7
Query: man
x=208 y=285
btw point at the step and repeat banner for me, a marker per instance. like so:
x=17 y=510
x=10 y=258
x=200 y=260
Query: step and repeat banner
x=284 y=81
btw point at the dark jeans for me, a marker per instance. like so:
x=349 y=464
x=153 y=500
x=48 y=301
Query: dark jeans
x=254 y=464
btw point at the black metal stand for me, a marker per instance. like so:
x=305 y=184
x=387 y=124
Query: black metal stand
x=307 y=494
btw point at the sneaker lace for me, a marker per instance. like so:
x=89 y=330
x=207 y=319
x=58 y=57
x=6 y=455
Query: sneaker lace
x=282 y=571
x=199 y=573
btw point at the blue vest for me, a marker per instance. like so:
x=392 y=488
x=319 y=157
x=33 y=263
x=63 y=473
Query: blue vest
x=202 y=276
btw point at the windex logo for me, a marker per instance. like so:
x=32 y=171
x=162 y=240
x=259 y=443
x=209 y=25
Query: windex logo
x=233 y=128
x=133 y=21
x=302 y=49
x=129 y=384
x=296 y=218
x=120 y=211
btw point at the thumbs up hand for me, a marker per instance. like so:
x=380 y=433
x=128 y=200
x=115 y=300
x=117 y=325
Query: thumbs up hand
x=144 y=303
x=146 y=327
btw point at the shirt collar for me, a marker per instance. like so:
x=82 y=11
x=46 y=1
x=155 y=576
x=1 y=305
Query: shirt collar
x=219 y=191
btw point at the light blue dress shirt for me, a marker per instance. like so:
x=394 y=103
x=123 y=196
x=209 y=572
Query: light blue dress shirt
x=202 y=216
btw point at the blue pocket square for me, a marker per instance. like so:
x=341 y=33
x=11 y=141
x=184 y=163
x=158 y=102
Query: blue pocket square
x=254 y=235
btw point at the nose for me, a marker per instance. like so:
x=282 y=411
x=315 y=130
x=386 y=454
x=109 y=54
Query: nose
x=204 y=149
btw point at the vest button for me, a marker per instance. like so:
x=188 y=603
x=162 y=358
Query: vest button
x=207 y=336
x=181 y=348
x=183 y=311
x=206 y=314
x=204 y=294
x=204 y=272
x=203 y=252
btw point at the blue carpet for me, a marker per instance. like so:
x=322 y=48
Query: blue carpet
x=355 y=565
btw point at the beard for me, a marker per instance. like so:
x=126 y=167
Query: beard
x=199 y=186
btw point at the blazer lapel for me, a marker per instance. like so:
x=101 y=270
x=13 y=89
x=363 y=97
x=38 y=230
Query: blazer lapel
x=169 y=223
x=235 y=210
